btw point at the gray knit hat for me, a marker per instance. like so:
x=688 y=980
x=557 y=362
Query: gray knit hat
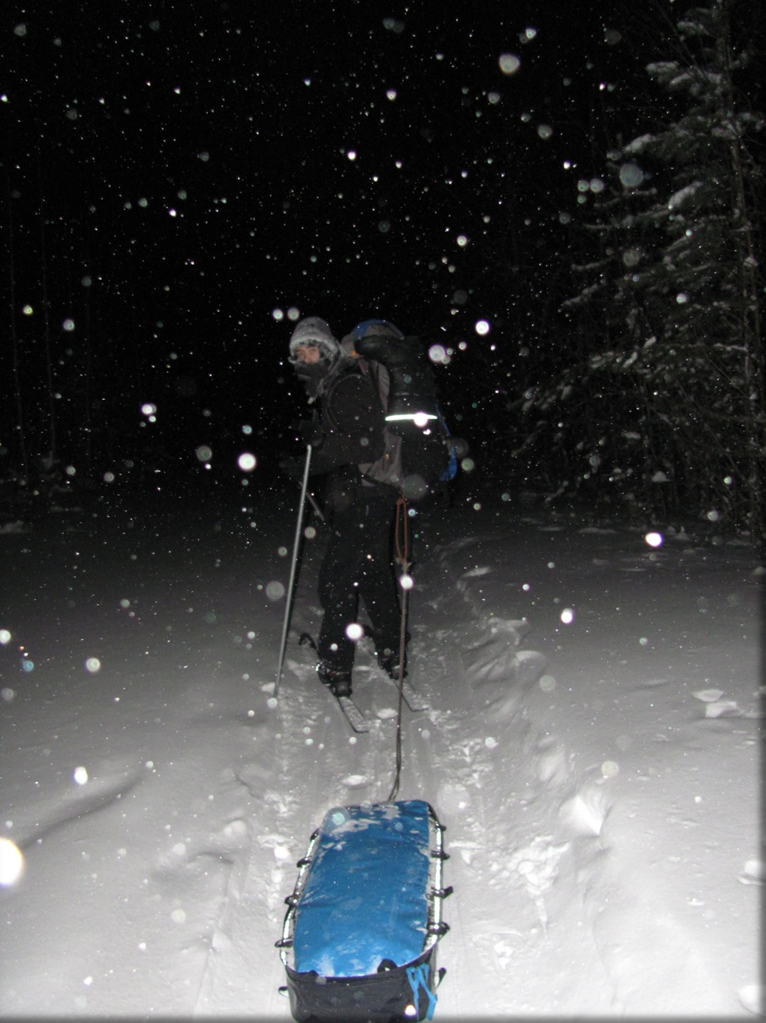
x=314 y=331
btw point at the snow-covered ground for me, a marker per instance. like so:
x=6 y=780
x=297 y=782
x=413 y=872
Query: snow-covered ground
x=592 y=747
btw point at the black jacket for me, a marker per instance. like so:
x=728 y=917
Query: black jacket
x=350 y=423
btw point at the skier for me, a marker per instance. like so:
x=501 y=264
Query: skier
x=349 y=446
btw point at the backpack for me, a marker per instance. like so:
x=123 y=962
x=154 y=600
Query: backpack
x=420 y=454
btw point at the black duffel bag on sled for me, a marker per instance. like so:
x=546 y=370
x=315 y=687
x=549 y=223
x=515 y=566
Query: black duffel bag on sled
x=360 y=933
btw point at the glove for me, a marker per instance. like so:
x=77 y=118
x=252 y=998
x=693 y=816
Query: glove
x=308 y=430
x=292 y=467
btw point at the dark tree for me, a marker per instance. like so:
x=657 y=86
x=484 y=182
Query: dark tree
x=666 y=409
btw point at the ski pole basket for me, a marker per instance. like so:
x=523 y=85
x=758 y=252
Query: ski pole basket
x=363 y=921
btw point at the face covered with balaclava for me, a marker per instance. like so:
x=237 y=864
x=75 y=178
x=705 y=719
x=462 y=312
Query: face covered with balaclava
x=314 y=353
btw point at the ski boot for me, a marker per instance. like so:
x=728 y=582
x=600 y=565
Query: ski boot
x=389 y=662
x=337 y=680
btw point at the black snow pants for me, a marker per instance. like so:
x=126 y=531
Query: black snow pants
x=358 y=564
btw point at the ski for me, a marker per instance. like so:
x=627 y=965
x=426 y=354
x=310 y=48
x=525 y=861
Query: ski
x=353 y=715
x=414 y=702
x=350 y=711
x=410 y=695
x=412 y=699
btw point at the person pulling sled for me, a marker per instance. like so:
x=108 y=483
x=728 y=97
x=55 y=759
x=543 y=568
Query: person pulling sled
x=350 y=447
x=378 y=436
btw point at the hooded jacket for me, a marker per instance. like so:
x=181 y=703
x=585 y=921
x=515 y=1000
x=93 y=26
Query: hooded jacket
x=349 y=423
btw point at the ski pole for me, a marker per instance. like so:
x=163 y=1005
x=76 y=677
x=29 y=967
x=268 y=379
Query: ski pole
x=315 y=506
x=291 y=584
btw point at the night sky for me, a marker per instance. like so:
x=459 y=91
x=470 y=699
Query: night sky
x=177 y=174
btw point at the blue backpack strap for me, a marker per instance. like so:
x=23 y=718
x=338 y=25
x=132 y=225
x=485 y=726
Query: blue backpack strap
x=418 y=977
x=450 y=470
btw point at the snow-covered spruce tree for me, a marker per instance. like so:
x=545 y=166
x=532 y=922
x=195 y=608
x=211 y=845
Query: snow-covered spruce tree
x=668 y=408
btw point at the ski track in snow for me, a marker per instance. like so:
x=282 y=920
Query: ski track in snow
x=490 y=733
x=545 y=835
x=563 y=813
